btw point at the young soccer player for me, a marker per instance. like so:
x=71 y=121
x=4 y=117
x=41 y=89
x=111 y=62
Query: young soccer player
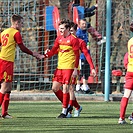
x=67 y=46
x=83 y=49
x=73 y=101
x=128 y=87
x=9 y=39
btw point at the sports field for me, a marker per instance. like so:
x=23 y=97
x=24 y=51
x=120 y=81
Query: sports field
x=40 y=117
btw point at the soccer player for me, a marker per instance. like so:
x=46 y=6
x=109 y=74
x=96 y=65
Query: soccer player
x=9 y=39
x=67 y=46
x=83 y=49
x=128 y=87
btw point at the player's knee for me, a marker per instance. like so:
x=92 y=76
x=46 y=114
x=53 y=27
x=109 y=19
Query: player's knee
x=55 y=89
x=71 y=88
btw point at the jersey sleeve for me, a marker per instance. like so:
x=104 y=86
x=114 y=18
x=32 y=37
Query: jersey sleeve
x=75 y=45
x=19 y=41
x=87 y=55
x=18 y=38
x=54 y=49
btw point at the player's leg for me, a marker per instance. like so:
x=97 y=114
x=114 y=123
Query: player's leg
x=78 y=108
x=127 y=93
x=57 y=91
x=71 y=101
x=66 y=74
x=123 y=106
x=2 y=92
x=6 y=76
x=6 y=86
x=57 y=84
x=5 y=104
x=72 y=95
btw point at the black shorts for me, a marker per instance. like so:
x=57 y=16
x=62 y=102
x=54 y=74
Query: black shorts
x=84 y=70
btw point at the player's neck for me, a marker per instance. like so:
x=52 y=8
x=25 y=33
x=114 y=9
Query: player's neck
x=13 y=27
x=67 y=34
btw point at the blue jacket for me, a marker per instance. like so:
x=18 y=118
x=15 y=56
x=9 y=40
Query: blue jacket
x=83 y=34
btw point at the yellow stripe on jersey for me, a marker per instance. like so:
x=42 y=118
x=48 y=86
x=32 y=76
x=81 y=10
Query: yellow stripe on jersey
x=66 y=57
x=73 y=35
x=8 y=44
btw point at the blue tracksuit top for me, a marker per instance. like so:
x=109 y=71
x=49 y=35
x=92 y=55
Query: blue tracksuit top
x=83 y=34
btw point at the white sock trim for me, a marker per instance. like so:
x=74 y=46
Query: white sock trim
x=64 y=110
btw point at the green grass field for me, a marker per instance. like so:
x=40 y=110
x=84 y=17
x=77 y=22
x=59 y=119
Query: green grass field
x=40 y=117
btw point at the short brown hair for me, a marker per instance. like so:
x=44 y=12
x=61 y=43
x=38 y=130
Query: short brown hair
x=66 y=22
x=15 y=18
x=74 y=25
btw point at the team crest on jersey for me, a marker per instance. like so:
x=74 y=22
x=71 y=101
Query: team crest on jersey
x=68 y=41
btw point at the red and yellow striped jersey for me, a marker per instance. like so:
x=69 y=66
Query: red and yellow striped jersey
x=66 y=56
x=8 y=44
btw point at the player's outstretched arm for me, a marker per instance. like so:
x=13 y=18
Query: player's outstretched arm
x=27 y=51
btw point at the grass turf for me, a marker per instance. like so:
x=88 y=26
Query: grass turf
x=40 y=117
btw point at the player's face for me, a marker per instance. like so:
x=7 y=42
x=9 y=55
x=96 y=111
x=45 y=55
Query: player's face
x=19 y=24
x=63 y=31
x=72 y=31
x=83 y=25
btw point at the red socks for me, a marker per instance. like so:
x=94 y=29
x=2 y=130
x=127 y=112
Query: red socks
x=59 y=95
x=1 y=98
x=65 y=100
x=71 y=102
x=63 y=97
x=76 y=105
x=5 y=104
x=123 y=106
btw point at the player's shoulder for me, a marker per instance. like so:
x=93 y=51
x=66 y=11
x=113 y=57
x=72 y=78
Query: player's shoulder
x=73 y=36
x=81 y=41
x=10 y=30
